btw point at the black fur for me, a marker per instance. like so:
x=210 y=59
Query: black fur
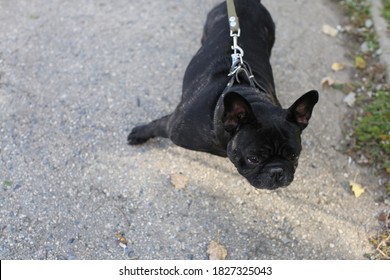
x=243 y=122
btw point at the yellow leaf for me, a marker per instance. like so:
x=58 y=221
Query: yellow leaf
x=388 y=170
x=121 y=238
x=360 y=63
x=179 y=181
x=327 y=82
x=384 y=137
x=357 y=189
x=337 y=66
x=216 y=251
x=329 y=30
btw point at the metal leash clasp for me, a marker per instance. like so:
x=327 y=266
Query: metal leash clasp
x=238 y=53
x=238 y=66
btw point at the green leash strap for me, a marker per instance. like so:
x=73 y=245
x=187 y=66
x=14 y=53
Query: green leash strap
x=233 y=18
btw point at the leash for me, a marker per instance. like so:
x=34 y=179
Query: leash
x=239 y=66
x=235 y=32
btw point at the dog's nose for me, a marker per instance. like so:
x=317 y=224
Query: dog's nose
x=277 y=173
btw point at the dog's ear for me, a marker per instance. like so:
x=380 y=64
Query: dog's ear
x=300 y=111
x=237 y=111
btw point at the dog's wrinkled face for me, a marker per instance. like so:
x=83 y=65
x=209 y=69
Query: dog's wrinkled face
x=266 y=157
x=266 y=141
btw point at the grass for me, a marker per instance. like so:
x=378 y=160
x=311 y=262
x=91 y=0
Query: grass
x=372 y=130
x=386 y=10
x=381 y=242
x=369 y=130
x=7 y=184
x=359 y=14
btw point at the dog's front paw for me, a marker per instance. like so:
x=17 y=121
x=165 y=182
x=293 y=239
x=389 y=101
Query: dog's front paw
x=138 y=135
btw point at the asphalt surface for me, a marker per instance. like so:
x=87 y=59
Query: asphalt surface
x=76 y=76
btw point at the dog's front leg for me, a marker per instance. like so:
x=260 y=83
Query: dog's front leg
x=141 y=134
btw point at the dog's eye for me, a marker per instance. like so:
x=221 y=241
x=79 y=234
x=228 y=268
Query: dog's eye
x=253 y=160
x=292 y=157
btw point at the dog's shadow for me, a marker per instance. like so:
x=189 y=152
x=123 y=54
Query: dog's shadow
x=222 y=164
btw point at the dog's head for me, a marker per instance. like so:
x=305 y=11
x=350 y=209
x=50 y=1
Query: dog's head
x=266 y=140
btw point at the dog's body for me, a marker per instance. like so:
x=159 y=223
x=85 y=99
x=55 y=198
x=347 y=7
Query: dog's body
x=241 y=121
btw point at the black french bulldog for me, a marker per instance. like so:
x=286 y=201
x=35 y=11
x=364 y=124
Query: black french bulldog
x=242 y=121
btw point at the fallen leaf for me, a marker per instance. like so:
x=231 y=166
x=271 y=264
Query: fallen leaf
x=383 y=217
x=121 y=237
x=388 y=169
x=122 y=240
x=179 y=181
x=327 y=82
x=329 y=30
x=216 y=251
x=357 y=189
x=360 y=63
x=337 y=66
x=348 y=28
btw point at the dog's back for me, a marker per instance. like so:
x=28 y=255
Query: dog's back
x=207 y=74
x=213 y=60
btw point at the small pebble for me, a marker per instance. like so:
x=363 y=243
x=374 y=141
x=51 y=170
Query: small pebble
x=369 y=23
x=350 y=99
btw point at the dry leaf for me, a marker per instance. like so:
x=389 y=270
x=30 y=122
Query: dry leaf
x=357 y=189
x=329 y=30
x=360 y=63
x=327 y=82
x=216 y=251
x=122 y=240
x=388 y=169
x=179 y=181
x=337 y=66
x=384 y=217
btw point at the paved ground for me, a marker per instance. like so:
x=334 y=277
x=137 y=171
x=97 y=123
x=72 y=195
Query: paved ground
x=76 y=76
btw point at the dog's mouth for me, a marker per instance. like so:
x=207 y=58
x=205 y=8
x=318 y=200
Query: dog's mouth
x=269 y=184
x=271 y=178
